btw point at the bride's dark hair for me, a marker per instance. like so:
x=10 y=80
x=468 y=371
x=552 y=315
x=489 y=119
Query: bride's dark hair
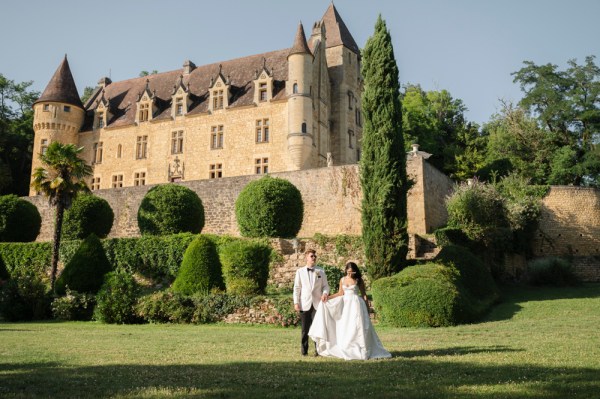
x=354 y=267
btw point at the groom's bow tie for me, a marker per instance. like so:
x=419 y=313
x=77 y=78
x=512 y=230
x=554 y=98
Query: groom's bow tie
x=310 y=269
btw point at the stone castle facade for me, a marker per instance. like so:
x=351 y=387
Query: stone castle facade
x=287 y=110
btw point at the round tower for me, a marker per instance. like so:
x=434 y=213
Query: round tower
x=58 y=114
x=300 y=109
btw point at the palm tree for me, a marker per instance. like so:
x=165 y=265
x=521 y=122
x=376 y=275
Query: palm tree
x=60 y=180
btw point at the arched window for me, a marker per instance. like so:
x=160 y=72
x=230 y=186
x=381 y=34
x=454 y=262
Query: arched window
x=303 y=127
x=295 y=88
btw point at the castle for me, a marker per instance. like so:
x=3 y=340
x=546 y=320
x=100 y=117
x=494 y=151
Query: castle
x=292 y=109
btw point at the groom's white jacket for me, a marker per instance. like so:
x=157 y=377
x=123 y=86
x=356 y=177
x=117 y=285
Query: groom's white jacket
x=307 y=294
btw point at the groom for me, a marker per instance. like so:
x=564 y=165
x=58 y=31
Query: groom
x=310 y=287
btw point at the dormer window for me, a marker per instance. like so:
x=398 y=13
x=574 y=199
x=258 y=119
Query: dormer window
x=262 y=92
x=217 y=99
x=144 y=111
x=100 y=120
x=179 y=106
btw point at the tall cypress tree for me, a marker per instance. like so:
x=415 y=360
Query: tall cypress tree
x=383 y=160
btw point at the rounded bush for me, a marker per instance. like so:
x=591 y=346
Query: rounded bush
x=269 y=207
x=474 y=275
x=25 y=297
x=200 y=269
x=420 y=296
x=170 y=209
x=88 y=214
x=20 y=220
x=165 y=307
x=245 y=267
x=86 y=269
x=117 y=299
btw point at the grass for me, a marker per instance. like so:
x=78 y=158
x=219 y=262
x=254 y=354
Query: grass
x=539 y=343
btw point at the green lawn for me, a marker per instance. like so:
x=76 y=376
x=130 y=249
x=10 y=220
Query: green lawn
x=539 y=343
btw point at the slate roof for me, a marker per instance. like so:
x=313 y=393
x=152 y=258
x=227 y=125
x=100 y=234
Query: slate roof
x=61 y=87
x=241 y=73
x=336 y=32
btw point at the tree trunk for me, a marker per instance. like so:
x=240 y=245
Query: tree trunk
x=60 y=210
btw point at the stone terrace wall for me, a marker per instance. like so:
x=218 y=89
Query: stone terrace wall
x=427 y=198
x=331 y=203
x=570 y=226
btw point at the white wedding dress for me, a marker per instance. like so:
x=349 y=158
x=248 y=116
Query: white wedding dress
x=342 y=328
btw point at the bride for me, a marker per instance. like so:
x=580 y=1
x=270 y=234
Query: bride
x=341 y=326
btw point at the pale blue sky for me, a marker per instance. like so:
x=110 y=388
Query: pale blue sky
x=469 y=47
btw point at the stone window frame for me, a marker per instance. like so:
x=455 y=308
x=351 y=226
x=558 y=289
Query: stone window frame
x=350 y=99
x=144 y=112
x=46 y=108
x=217 y=100
x=141 y=148
x=262 y=130
x=350 y=136
x=98 y=152
x=119 y=151
x=95 y=185
x=117 y=180
x=217 y=137
x=43 y=146
x=179 y=106
x=261 y=165
x=99 y=119
x=177 y=137
x=139 y=178
x=263 y=95
x=66 y=108
x=215 y=171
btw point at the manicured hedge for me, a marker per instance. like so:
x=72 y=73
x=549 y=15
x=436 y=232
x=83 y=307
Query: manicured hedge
x=456 y=288
x=170 y=209
x=420 y=296
x=88 y=214
x=269 y=207
x=86 y=269
x=200 y=270
x=20 y=220
x=245 y=266
x=31 y=256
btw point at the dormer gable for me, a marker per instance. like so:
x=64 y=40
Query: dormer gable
x=263 y=84
x=102 y=113
x=180 y=98
x=219 y=92
x=146 y=104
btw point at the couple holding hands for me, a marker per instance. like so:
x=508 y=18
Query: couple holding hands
x=339 y=324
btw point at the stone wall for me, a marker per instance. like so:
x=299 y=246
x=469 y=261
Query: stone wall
x=570 y=227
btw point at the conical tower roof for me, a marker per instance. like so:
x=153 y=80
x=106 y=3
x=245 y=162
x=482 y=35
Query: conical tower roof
x=300 y=46
x=336 y=30
x=62 y=87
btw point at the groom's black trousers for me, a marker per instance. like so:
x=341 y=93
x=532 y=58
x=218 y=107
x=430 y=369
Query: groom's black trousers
x=306 y=319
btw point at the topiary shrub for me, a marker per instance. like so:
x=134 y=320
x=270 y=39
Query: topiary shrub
x=20 y=220
x=200 y=269
x=117 y=299
x=420 y=296
x=86 y=269
x=245 y=266
x=170 y=209
x=25 y=297
x=88 y=214
x=269 y=207
x=551 y=271
x=474 y=276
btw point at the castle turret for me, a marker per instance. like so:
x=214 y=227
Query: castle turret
x=343 y=61
x=300 y=107
x=58 y=113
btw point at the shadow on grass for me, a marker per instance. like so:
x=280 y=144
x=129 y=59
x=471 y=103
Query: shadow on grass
x=306 y=378
x=512 y=295
x=457 y=351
